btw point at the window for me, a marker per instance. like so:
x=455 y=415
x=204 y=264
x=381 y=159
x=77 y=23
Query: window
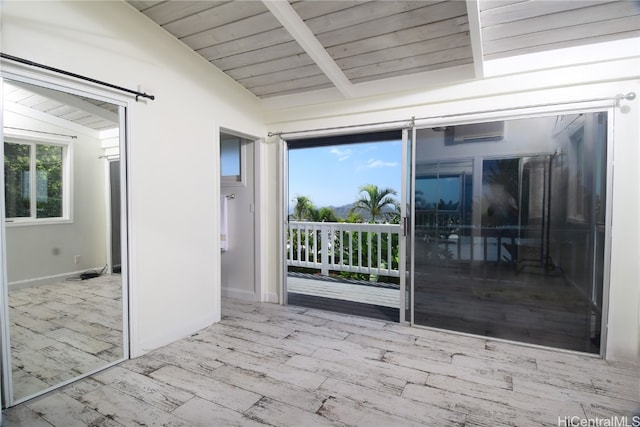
x=35 y=183
x=230 y=158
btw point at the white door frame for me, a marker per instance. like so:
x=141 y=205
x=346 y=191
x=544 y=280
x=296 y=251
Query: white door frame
x=259 y=202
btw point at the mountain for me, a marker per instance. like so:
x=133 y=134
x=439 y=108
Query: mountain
x=343 y=211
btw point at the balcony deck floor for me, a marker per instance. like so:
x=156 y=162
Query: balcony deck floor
x=265 y=364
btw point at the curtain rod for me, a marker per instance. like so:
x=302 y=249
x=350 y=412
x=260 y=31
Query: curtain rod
x=629 y=97
x=41 y=131
x=77 y=76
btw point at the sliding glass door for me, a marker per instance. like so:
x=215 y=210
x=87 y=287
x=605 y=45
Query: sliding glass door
x=344 y=231
x=508 y=240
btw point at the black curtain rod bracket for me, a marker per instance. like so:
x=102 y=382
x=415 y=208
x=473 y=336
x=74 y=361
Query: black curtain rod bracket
x=77 y=76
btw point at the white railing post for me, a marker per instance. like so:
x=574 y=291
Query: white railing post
x=324 y=248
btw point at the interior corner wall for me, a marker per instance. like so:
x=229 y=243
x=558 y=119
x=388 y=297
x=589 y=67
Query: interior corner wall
x=536 y=88
x=43 y=253
x=173 y=171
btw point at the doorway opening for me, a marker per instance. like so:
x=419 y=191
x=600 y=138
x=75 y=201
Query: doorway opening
x=238 y=216
x=343 y=229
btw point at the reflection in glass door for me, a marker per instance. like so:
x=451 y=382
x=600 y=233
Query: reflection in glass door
x=63 y=204
x=509 y=229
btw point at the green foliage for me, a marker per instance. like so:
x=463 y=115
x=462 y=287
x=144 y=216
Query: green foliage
x=326 y=215
x=48 y=191
x=373 y=200
x=302 y=209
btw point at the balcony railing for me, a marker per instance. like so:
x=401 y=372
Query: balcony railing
x=344 y=247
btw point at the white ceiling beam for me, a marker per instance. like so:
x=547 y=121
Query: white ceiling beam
x=475 y=34
x=70 y=100
x=292 y=22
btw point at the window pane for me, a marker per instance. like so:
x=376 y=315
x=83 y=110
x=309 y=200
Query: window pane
x=16 y=185
x=230 y=157
x=49 y=181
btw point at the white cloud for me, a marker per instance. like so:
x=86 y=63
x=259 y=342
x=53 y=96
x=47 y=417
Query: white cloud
x=342 y=154
x=376 y=164
x=372 y=163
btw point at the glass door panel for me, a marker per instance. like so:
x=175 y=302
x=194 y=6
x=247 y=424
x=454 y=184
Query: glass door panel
x=509 y=229
x=343 y=233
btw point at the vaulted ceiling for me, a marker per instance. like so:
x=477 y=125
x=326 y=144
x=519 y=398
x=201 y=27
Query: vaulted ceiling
x=281 y=47
x=66 y=109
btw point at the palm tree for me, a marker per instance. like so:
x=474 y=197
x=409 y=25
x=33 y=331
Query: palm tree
x=325 y=214
x=303 y=209
x=373 y=200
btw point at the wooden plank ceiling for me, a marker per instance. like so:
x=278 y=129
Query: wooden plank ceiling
x=269 y=47
x=90 y=113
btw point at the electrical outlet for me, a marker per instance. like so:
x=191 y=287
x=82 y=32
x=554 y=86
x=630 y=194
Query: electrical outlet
x=76 y=259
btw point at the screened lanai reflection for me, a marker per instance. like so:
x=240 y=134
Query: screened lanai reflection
x=509 y=229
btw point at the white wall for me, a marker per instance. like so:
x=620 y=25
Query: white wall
x=37 y=252
x=561 y=85
x=173 y=151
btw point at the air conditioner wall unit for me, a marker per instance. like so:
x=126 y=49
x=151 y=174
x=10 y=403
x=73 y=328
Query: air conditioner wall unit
x=478 y=132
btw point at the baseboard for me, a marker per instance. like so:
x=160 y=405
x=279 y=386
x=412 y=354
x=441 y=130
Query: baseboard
x=239 y=294
x=172 y=335
x=272 y=297
x=45 y=280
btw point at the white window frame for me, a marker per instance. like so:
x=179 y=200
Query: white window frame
x=67 y=156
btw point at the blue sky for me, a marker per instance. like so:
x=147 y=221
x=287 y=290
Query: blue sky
x=331 y=176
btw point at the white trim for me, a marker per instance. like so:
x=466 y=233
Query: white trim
x=44 y=280
x=608 y=234
x=240 y=294
x=475 y=33
x=283 y=195
x=272 y=297
x=166 y=337
x=52 y=80
x=261 y=220
x=7 y=377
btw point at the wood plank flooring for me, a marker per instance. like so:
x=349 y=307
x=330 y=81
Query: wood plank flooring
x=63 y=330
x=265 y=364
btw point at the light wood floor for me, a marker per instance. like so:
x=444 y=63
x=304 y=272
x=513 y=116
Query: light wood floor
x=291 y=366
x=63 y=330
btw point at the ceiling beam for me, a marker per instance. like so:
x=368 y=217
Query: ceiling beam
x=292 y=22
x=70 y=100
x=475 y=34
